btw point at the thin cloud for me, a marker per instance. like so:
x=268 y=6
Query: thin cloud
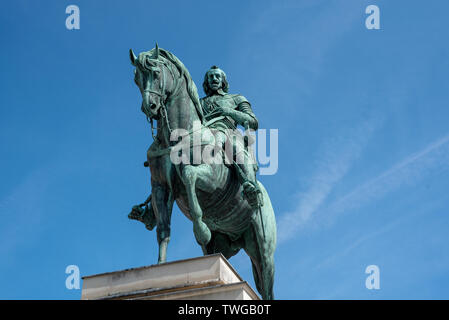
x=340 y=153
x=406 y=172
x=354 y=244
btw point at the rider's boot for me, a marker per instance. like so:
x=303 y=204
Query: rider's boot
x=251 y=190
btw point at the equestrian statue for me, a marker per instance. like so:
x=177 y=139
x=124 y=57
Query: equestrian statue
x=230 y=210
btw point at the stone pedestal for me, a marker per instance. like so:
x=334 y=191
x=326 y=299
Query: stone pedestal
x=203 y=278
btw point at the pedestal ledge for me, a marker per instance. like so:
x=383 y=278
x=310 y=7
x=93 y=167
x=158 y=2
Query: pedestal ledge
x=203 y=278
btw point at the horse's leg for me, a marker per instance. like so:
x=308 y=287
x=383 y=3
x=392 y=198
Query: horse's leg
x=162 y=201
x=202 y=177
x=257 y=276
x=260 y=243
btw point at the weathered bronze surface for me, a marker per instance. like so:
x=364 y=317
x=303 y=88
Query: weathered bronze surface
x=229 y=208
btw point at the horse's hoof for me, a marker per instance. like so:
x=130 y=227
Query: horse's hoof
x=135 y=213
x=202 y=233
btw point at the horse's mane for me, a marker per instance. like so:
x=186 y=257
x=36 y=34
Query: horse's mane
x=191 y=87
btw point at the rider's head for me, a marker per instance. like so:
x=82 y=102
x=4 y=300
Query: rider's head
x=215 y=79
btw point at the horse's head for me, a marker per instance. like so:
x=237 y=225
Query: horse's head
x=155 y=79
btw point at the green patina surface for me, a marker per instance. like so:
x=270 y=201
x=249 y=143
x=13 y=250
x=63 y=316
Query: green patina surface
x=229 y=208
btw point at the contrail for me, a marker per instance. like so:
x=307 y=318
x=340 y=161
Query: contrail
x=405 y=172
x=338 y=157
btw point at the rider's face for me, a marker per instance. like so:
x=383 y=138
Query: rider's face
x=214 y=79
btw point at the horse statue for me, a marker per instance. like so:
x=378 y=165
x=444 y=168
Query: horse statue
x=209 y=195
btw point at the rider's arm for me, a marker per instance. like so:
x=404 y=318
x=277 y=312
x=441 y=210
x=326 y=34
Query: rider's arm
x=243 y=113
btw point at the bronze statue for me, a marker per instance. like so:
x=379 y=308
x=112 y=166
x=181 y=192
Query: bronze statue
x=234 y=109
x=229 y=208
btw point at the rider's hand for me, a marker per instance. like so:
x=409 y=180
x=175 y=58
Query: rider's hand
x=221 y=111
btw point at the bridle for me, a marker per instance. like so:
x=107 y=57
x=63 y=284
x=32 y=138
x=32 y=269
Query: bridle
x=164 y=100
x=163 y=97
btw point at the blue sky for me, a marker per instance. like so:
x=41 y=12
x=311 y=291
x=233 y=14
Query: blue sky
x=363 y=124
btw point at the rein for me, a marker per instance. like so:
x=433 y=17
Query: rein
x=167 y=150
x=163 y=110
x=163 y=97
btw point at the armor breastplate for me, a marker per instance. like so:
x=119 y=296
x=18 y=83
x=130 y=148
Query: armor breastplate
x=223 y=101
x=209 y=104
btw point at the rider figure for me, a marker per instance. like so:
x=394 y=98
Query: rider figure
x=235 y=110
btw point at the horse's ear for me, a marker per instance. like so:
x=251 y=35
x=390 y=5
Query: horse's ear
x=132 y=56
x=157 y=51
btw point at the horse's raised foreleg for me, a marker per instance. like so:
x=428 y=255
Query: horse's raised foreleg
x=190 y=175
x=162 y=201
